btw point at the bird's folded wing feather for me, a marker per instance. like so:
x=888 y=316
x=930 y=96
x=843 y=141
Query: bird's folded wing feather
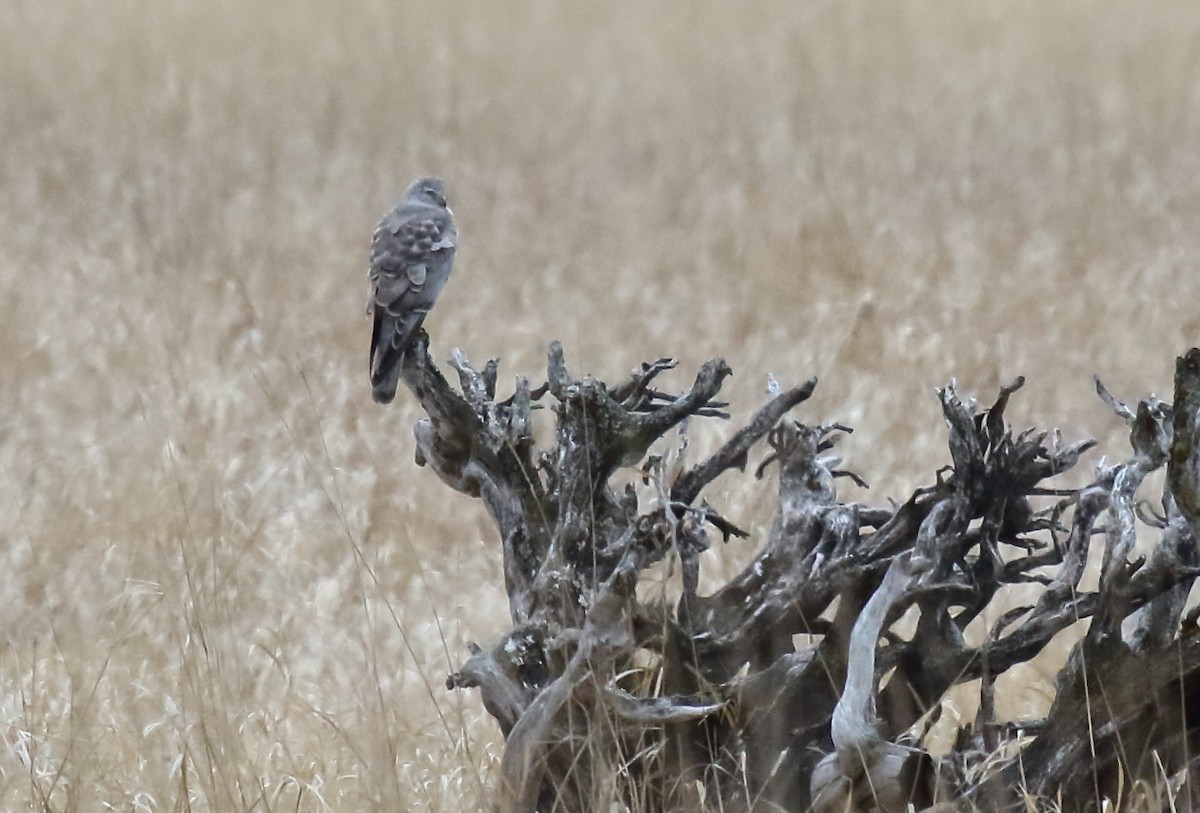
x=401 y=252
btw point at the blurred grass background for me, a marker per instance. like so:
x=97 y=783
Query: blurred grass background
x=226 y=585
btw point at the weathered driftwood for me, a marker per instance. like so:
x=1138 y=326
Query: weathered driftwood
x=608 y=698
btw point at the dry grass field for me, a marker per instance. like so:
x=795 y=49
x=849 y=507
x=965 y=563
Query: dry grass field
x=226 y=586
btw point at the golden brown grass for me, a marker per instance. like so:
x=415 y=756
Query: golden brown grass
x=226 y=587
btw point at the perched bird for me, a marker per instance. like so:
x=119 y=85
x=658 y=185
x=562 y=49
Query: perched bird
x=412 y=253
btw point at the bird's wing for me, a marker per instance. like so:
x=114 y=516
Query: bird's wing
x=411 y=256
x=402 y=250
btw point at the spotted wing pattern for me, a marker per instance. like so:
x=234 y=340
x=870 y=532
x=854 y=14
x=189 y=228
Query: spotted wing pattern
x=412 y=253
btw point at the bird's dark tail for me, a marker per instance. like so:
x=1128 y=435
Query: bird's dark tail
x=390 y=338
x=383 y=388
x=385 y=360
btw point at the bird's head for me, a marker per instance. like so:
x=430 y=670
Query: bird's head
x=428 y=190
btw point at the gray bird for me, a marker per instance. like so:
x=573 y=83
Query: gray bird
x=412 y=253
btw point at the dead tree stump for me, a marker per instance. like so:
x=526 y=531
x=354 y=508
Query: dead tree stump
x=612 y=701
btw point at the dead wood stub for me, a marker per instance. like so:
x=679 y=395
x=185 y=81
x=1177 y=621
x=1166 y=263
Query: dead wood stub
x=607 y=697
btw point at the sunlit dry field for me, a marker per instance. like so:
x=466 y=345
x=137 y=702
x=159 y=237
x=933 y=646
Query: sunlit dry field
x=227 y=587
